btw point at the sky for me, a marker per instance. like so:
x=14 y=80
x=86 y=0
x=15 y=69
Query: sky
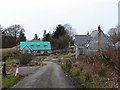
x=35 y=16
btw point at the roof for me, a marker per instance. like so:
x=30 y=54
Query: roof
x=36 y=45
x=94 y=33
x=82 y=40
x=117 y=45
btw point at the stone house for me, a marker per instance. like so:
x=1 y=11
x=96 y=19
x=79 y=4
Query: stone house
x=97 y=40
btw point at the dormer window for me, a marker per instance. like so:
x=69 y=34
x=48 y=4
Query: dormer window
x=32 y=45
x=38 y=45
x=45 y=45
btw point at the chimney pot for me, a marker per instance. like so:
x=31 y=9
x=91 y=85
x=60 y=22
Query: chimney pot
x=99 y=28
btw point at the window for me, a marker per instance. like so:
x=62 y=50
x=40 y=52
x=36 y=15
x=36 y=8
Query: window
x=38 y=45
x=26 y=51
x=45 y=45
x=32 y=45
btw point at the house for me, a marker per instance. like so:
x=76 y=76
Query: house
x=117 y=45
x=97 y=40
x=81 y=42
x=35 y=47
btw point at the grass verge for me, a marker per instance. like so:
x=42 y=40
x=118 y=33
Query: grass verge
x=9 y=80
x=83 y=78
x=11 y=61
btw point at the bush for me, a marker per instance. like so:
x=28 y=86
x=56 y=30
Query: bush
x=25 y=59
x=102 y=73
x=75 y=72
x=67 y=67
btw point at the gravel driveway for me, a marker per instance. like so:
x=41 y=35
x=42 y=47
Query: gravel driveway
x=48 y=76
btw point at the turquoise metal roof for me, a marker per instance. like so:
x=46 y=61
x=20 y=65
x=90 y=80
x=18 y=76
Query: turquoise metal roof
x=36 y=45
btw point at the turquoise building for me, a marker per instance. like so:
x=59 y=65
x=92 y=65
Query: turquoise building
x=35 y=48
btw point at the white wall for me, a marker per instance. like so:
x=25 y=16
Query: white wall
x=77 y=51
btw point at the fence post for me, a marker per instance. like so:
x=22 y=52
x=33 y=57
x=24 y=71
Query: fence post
x=4 y=66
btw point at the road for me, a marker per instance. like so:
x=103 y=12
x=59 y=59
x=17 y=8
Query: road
x=26 y=70
x=48 y=76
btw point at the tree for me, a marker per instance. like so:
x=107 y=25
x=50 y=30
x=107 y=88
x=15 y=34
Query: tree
x=115 y=34
x=1 y=30
x=8 y=41
x=47 y=37
x=14 y=31
x=69 y=30
x=35 y=37
x=61 y=37
x=38 y=38
x=0 y=36
x=10 y=36
x=44 y=34
x=59 y=31
x=21 y=37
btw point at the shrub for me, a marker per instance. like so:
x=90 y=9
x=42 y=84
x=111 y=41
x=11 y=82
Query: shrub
x=75 y=72
x=67 y=66
x=102 y=73
x=25 y=59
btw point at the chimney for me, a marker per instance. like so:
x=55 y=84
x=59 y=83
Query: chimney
x=99 y=37
x=99 y=28
x=88 y=33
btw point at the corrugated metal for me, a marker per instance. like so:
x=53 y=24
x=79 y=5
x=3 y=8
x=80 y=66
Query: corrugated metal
x=36 y=45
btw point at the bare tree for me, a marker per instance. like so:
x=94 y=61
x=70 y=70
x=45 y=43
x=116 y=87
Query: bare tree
x=14 y=30
x=115 y=34
x=70 y=30
x=1 y=30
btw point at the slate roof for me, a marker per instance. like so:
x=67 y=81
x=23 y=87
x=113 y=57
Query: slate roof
x=117 y=45
x=82 y=40
x=36 y=45
x=94 y=33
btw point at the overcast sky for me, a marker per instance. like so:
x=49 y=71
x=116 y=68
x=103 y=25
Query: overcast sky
x=37 y=15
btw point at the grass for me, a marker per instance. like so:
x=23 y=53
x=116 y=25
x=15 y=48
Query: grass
x=11 y=61
x=9 y=51
x=9 y=80
x=67 y=56
x=80 y=76
x=0 y=82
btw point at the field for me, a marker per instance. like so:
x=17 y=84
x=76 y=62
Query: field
x=9 y=51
